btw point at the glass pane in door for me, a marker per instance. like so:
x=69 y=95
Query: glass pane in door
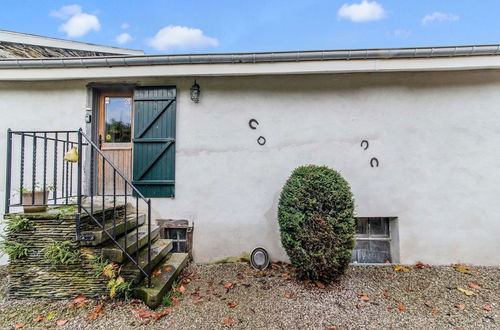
x=118 y=123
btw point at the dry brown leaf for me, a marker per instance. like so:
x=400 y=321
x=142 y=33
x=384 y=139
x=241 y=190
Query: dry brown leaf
x=386 y=294
x=157 y=272
x=288 y=294
x=229 y=285
x=364 y=298
x=360 y=293
x=198 y=303
x=401 y=308
x=185 y=280
x=228 y=321
x=460 y=306
x=39 y=318
x=248 y=271
x=466 y=292
x=275 y=267
x=168 y=268
x=400 y=268
x=428 y=304
x=240 y=277
x=389 y=308
x=434 y=310
x=134 y=302
x=60 y=323
x=286 y=276
x=79 y=299
x=487 y=308
x=143 y=312
x=420 y=265
x=195 y=296
x=19 y=325
x=96 y=312
x=231 y=305
x=71 y=305
x=158 y=316
x=473 y=285
x=320 y=285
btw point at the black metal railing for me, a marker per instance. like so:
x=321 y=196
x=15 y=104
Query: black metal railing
x=36 y=166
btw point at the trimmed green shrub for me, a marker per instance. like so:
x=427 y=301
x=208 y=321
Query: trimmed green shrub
x=316 y=218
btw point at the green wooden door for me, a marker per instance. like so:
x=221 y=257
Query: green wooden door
x=154 y=141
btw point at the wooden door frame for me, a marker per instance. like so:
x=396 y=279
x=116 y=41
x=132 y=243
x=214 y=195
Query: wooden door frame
x=100 y=125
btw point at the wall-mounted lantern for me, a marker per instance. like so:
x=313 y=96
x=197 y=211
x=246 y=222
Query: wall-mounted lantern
x=195 y=92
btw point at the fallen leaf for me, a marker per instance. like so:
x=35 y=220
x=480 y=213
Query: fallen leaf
x=157 y=272
x=229 y=285
x=71 y=305
x=401 y=308
x=158 y=316
x=487 y=308
x=474 y=286
x=248 y=271
x=228 y=321
x=467 y=292
x=240 y=277
x=96 y=312
x=460 y=306
x=195 y=296
x=434 y=310
x=461 y=268
x=389 y=308
x=288 y=294
x=319 y=284
x=185 y=280
x=364 y=298
x=286 y=276
x=275 y=267
x=180 y=289
x=175 y=301
x=231 y=305
x=420 y=265
x=198 y=303
x=400 y=268
x=428 y=304
x=79 y=299
x=134 y=302
x=168 y=268
x=19 y=325
x=39 y=318
x=386 y=294
x=51 y=316
x=143 y=312
x=360 y=293
x=60 y=323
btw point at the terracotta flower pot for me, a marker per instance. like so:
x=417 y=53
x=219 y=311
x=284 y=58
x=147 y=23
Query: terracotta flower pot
x=27 y=200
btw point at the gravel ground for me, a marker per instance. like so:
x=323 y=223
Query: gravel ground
x=232 y=295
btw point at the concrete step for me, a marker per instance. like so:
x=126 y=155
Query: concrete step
x=159 y=250
x=114 y=253
x=170 y=269
x=98 y=236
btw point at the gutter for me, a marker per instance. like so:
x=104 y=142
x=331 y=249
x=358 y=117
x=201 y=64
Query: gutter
x=251 y=58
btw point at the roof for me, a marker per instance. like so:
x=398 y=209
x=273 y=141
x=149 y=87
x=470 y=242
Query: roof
x=475 y=57
x=263 y=57
x=15 y=44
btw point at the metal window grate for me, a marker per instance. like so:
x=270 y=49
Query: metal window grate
x=178 y=237
x=373 y=240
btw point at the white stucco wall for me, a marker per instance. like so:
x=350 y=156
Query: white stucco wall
x=435 y=135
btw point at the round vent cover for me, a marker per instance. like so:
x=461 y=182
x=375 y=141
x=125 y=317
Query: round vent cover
x=259 y=259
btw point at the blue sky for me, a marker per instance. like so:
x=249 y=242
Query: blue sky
x=188 y=26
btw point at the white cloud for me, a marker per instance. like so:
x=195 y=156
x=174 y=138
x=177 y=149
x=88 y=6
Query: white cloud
x=439 y=17
x=125 y=26
x=66 y=12
x=181 y=38
x=364 y=11
x=123 y=38
x=78 y=23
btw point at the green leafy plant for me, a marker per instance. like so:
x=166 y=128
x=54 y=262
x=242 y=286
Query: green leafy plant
x=316 y=218
x=61 y=253
x=38 y=188
x=17 y=224
x=99 y=264
x=14 y=250
x=67 y=210
x=167 y=298
x=117 y=286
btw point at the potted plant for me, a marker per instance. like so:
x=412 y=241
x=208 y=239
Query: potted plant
x=39 y=203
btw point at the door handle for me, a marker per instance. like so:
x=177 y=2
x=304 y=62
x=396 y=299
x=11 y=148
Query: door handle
x=100 y=141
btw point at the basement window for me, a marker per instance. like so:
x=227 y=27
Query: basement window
x=179 y=231
x=374 y=243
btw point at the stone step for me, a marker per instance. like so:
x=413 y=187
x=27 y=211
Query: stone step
x=98 y=236
x=114 y=253
x=170 y=269
x=159 y=250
